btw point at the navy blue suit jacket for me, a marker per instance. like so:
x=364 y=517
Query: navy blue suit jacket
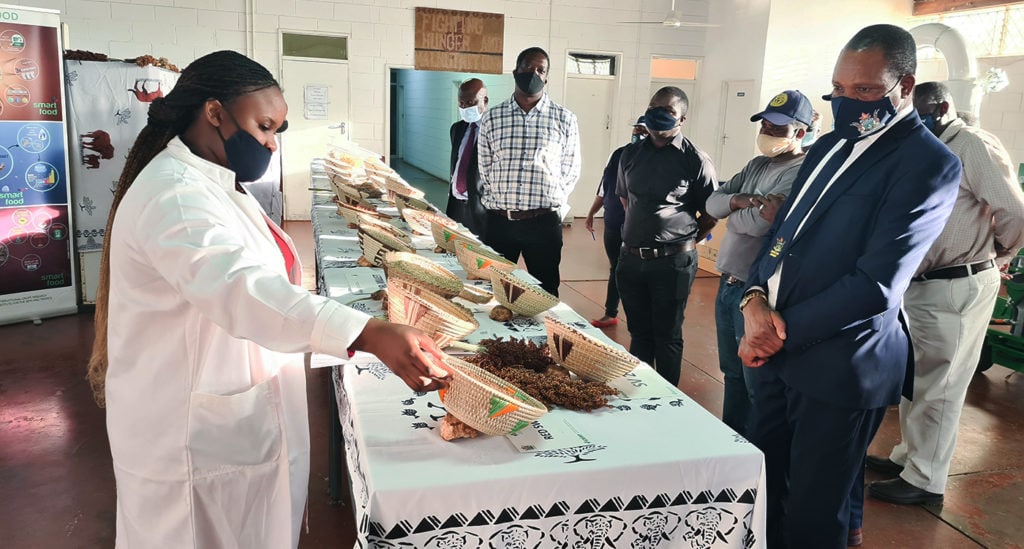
x=845 y=272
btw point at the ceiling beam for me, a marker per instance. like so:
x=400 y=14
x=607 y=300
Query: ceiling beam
x=932 y=7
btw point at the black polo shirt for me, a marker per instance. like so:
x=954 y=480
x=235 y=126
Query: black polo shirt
x=664 y=189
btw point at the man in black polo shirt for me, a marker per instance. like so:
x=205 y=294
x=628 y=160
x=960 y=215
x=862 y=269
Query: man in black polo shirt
x=663 y=183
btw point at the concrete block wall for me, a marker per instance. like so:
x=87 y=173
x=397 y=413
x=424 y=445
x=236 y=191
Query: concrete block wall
x=1002 y=113
x=381 y=36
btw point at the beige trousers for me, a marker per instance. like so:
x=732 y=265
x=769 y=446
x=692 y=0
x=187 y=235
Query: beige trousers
x=948 y=320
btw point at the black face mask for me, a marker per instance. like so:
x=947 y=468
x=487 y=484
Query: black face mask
x=529 y=82
x=247 y=157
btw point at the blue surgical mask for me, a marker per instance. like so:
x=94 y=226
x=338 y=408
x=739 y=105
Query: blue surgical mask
x=855 y=118
x=470 y=114
x=809 y=138
x=660 y=120
x=929 y=122
x=636 y=138
x=247 y=157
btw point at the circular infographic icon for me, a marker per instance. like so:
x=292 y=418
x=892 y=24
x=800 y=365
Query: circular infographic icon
x=31 y=262
x=42 y=219
x=17 y=95
x=12 y=41
x=39 y=240
x=27 y=69
x=33 y=138
x=21 y=217
x=4 y=253
x=17 y=235
x=57 y=231
x=41 y=176
x=6 y=165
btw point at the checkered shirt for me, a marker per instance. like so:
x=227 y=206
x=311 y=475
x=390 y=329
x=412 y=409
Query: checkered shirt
x=528 y=160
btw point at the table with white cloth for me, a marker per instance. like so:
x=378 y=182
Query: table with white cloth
x=652 y=469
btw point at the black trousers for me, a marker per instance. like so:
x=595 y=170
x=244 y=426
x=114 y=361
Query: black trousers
x=814 y=459
x=612 y=245
x=654 y=294
x=538 y=240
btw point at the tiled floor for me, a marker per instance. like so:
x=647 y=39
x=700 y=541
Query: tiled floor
x=57 y=489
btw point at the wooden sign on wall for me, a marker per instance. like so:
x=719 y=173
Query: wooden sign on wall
x=459 y=41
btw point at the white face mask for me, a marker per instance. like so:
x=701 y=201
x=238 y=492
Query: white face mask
x=772 y=146
x=471 y=114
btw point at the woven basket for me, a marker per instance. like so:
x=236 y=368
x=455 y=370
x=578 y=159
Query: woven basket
x=522 y=297
x=430 y=313
x=585 y=355
x=486 y=402
x=422 y=272
x=407 y=202
x=475 y=294
x=376 y=242
x=348 y=194
x=420 y=221
x=478 y=261
x=445 y=236
x=351 y=212
x=398 y=186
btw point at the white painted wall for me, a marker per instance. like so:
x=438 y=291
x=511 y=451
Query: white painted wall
x=431 y=107
x=1002 y=113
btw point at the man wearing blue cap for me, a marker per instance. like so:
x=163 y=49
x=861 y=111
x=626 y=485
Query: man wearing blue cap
x=614 y=215
x=750 y=200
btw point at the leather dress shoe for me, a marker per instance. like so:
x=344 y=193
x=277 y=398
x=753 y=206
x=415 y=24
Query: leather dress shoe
x=902 y=492
x=883 y=465
x=855 y=538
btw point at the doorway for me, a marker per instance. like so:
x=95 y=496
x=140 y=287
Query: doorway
x=314 y=75
x=736 y=147
x=591 y=86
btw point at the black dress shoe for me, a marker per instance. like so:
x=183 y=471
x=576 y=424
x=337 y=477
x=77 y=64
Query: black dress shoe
x=855 y=538
x=883 y=465
x=902 y=492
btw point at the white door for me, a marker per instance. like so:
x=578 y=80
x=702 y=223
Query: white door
x=591 y=99
x=317 y=96
x=738 y=132
x=689 y=87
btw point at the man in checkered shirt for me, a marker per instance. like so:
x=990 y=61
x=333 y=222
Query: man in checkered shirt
x=529 y=155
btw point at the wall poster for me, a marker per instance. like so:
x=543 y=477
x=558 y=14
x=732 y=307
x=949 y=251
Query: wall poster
x=36 y=275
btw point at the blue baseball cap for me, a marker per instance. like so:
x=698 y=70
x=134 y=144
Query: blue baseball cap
x=786 y=107
x=641 y=121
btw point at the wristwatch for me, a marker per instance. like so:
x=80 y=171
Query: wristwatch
x=752 y=294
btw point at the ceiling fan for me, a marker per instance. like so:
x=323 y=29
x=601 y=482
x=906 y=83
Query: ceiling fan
x=673 y=19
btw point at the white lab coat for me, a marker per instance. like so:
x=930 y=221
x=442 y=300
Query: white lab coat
x=206 y=396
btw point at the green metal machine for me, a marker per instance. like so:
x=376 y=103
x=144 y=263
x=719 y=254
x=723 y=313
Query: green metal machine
x=1002 y=346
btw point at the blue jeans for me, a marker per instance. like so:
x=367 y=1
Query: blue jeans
x=739 y=383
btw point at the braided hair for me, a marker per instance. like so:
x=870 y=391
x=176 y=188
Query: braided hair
x=222 y=75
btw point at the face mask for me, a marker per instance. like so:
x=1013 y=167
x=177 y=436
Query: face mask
x=809 y=138
x=929 y=122
x=247 y=157
x=636 y=138
x=772 y=146
x=660 y=120
x=855 y=118
x=470 y=114
x=529 y=82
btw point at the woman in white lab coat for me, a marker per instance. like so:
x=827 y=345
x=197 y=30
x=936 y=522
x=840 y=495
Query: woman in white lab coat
x=201 y=326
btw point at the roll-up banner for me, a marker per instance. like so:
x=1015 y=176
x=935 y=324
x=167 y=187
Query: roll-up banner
x=37 y=278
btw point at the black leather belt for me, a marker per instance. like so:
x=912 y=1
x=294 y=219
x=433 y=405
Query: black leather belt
x=957 y=271
x=519 y=215
x=732 y=280
x=654 y=252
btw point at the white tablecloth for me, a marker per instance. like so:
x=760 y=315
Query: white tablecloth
x=652 y=470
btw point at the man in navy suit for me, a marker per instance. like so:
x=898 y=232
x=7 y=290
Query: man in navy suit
x=464 y=192
x=823 y=329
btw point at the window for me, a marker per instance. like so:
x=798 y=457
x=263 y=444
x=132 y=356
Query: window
x=989 y=32
x=316 y=46
x=591 y=64
x=663 y=68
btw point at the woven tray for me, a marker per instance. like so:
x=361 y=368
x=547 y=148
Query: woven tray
x=521 y=296
x=445 y=236
x=475 y=294
x=430 y=313
x=478 y=261
x=407 y=202
x=585 y=355
x=351 y=212
x=420 y=271
x=486 y=402
x=397 y=185
x=420 y=221
x=376 y=242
